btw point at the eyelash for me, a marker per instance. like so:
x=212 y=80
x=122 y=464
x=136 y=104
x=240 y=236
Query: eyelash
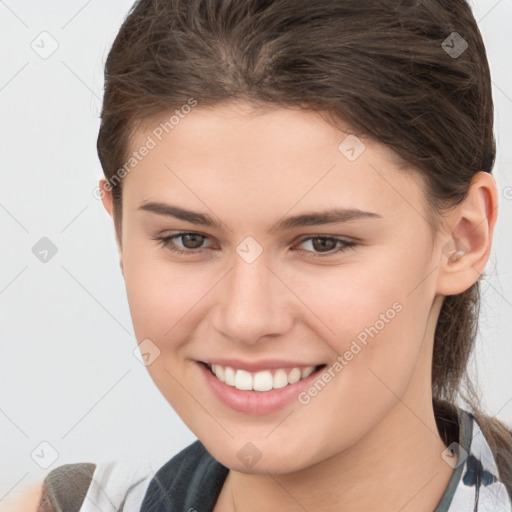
x=167 y=243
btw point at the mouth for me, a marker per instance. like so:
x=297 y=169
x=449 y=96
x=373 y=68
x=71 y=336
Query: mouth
x=261 y=381
x=266 y=389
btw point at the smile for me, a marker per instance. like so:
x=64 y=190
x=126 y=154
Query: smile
x=270 y=386
x=262 y=380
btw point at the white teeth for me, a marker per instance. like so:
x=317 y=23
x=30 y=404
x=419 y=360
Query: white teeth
x=243 y=380
x=306 y=372
x=294 y=376
x=229 y=376
x=219 y=372
x=260 y=381
x=280 y=379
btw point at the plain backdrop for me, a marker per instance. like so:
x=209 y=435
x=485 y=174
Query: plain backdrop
x=69 y=379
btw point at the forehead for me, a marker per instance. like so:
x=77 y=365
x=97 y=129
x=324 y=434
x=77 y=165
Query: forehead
x=271 y=155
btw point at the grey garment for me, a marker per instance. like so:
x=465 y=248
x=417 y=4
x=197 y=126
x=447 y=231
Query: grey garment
x=65 y=488
x=193 y=479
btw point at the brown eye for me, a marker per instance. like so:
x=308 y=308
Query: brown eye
x=191 y=243
x=323 y=244
x=326 y=245
x=192 y=240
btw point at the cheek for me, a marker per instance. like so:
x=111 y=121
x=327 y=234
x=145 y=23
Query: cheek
x=372 y=316
x=165 y=298
x=378 y=328
x=151 y=294
x=346 y=300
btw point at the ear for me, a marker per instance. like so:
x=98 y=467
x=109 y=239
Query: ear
x=468 y=240
x=108 y=203
x=106 y=196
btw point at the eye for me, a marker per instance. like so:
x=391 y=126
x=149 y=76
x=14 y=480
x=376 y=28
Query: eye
x=192 y=242
x=321 y=245
x=327 y=245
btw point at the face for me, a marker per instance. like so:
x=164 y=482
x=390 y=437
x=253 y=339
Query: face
x=264 y=276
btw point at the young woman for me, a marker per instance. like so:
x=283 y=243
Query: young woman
x=304 y=207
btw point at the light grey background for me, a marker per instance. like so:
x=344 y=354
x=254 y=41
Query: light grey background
x=68 y=374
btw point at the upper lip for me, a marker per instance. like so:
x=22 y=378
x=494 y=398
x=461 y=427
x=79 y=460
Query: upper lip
x=256 y=366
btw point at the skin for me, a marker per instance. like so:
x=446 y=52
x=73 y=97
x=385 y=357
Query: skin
x=28 y=500
x=368 y=441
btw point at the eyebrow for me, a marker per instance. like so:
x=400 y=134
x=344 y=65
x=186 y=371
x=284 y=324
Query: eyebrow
x=335 y=215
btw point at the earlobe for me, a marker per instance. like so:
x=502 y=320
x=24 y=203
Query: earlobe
x=464 y=256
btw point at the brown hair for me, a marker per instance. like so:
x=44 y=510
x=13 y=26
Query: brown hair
x=379 y=65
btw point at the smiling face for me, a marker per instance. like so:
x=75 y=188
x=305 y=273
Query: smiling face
x=258 y=291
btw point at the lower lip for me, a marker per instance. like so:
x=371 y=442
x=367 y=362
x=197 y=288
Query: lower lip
x=256 y=402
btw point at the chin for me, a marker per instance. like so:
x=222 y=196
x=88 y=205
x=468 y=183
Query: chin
x=260 y=457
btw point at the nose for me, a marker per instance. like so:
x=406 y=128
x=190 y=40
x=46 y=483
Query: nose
x=252 y=303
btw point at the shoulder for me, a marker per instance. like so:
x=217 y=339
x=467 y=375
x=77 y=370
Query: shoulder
x=127 y=483
x=192 y=479
x=64 y=488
